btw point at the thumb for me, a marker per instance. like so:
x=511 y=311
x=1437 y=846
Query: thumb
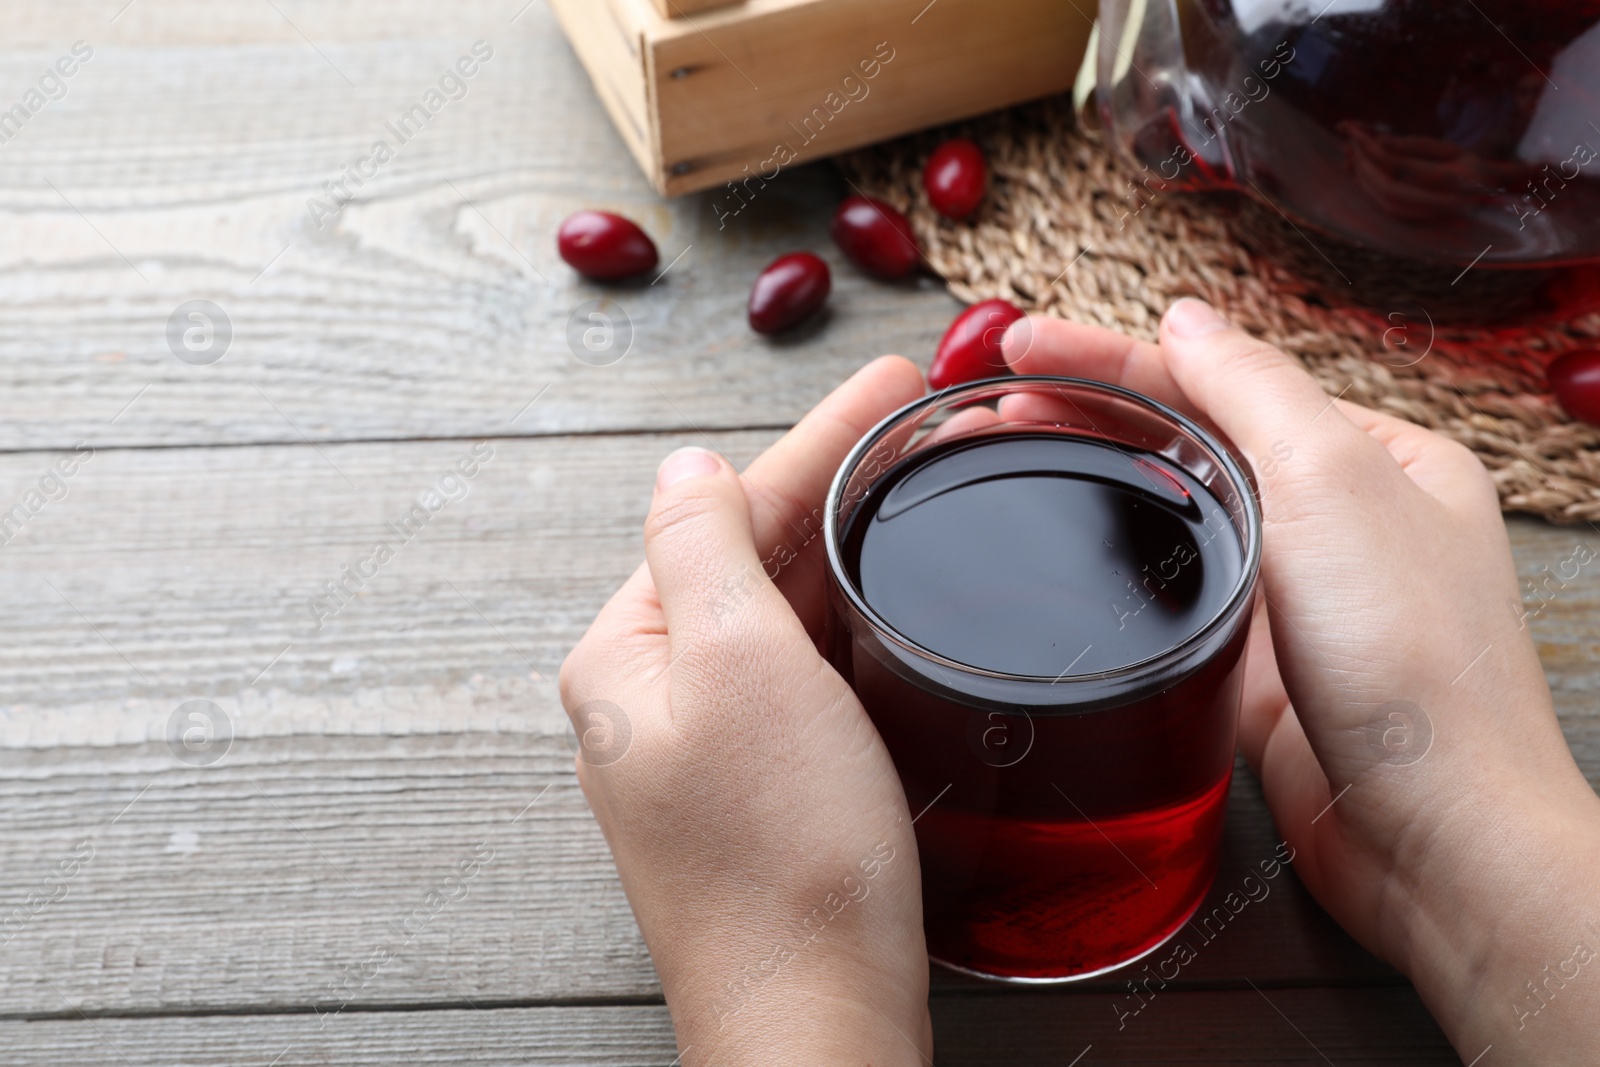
x=1326 y=568
x=700 y=548
x=1262 y=399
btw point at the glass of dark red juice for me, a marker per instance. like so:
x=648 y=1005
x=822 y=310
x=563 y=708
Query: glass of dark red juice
x=1040 y=590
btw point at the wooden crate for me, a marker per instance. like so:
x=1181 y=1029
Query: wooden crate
x=751 y=87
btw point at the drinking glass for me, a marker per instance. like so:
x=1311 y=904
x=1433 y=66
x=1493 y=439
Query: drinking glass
x=1067 y=824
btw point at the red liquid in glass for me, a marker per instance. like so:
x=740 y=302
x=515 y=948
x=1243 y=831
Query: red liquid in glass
x=1055 y=842
x=1407 y=139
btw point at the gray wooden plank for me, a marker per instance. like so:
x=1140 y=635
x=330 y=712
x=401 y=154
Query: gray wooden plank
x=601 y=1036
x=165 y=574
x=296 y=874
x=169 y=574
x=416 y=722
x=180 y=166
x=268 y=879
x=1561 y=604
x=1223 y=1028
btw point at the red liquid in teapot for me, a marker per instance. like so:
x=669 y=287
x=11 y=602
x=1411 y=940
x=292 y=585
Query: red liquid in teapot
x=1410 y=140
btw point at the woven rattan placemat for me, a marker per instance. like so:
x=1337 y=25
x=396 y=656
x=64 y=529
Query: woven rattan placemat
x=1059 y=233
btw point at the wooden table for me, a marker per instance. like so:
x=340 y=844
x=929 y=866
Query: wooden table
x=287 y=898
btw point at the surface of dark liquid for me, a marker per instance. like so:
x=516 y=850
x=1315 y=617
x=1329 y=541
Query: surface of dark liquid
x=1055 y=841
x=1409 y=139
x=1043 y=555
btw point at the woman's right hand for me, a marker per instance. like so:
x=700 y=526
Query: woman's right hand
x=755 y=816
x=1395 y=709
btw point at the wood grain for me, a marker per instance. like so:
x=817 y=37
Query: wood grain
x=419 y=724
x=265 y=880
x=166 y=574
x=434 y=305
x=413 y=725
x=1223 y=1028
x=680 y=8
x=417 y=720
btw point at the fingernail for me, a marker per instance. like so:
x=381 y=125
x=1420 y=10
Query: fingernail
x=1194 y=318
x=685 y=463
x=1017 y=338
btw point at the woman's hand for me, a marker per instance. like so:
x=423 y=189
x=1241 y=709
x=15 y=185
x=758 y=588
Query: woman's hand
x=1394 y=706
x=756 y=819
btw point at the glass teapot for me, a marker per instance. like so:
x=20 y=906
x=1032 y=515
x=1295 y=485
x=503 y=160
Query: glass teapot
x=1456 y=132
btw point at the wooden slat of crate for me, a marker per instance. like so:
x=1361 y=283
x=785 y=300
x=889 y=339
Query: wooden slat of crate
x=751 y=88
x=683 y=8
